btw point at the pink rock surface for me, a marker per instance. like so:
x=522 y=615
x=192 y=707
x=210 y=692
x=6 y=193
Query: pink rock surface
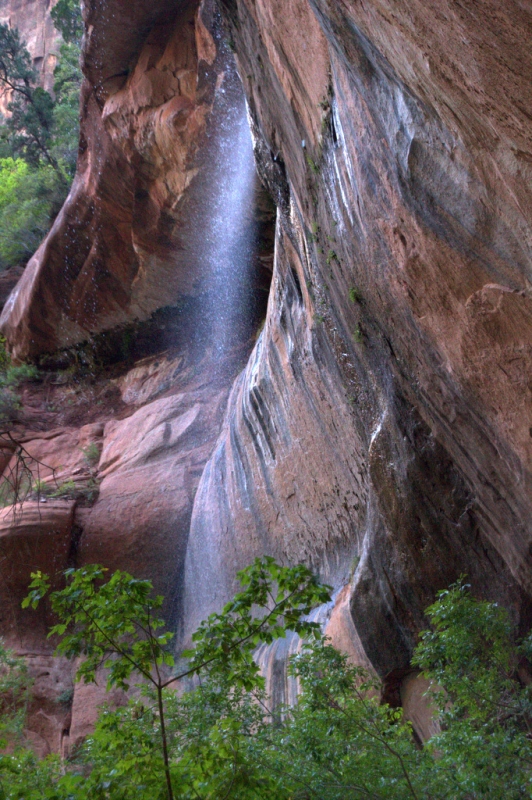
x=381 y=429
x=113 y=253
x=385 y=412
x=35 y=537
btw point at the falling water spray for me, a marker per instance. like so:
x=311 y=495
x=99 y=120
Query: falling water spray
x=224 y=243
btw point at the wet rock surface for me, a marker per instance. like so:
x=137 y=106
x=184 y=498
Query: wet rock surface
x=117 y=491
x=380 y=430
x=114 y=252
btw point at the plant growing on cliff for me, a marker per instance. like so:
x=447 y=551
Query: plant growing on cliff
x=15 y=693
x=91 y=453
x=20 y=467
x=355 y=295
x=11 y=377
x=358 y=336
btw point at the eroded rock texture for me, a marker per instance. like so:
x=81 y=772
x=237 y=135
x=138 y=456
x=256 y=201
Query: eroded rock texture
x=124 y=444
x=115 y=252
x=381 y=428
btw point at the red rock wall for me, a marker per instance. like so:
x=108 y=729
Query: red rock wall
x=381 y=428
x=114 y=253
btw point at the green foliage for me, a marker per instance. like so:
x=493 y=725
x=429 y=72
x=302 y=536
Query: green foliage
x=15 y=375
x=91 y=453
x=9 y=405
x=223 y=741
x=26 y=199
x=66 y=489
x=354 y=295
x=5 y=358
x=28 y=125
x=102 y=622
x=38 y=138
x=11 y=377
x=16 y=70
x=24 y=777
x=67 y=18
x=340 y=740
x=65 y=132
x=116 y=624
x=66 y=697
x=15 y=691
x=358 y=336
x=41 y=487
x=312 y=164
x=484 y=748
x=284 y=595
x=331 y=256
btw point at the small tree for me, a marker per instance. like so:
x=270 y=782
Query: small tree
x=117 y=625
x=221 y=740
x=39 y=126
x=30 y=121
x=67 y=18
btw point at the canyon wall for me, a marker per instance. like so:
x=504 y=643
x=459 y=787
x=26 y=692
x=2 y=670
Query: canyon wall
x=381 y=429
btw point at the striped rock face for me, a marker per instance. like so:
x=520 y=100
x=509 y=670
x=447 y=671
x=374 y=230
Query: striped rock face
x=380 y=429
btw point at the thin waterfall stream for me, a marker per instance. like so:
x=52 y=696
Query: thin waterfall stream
x=223 y=227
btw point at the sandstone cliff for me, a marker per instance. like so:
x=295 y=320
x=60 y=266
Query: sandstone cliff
x=36 y=28
x=381 y=428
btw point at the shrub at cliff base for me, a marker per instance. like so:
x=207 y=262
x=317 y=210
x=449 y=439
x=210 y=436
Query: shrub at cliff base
x=220 y=739
x=26 y=199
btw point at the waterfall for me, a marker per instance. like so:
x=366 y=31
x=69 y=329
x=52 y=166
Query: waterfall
x=223 y=239
x=228 y=243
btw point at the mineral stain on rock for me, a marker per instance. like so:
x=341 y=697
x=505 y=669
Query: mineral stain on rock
x=378 y=427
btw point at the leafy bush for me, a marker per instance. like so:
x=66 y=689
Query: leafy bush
x=66 y=489
x=11 y=377
x=221 y=739
x=15 y=375
x=26 y=199
x=42 y=488
x=354 y=295
x=15 y=692
x=91 y=453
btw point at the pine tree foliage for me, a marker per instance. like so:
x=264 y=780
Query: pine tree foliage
x=38 y=137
